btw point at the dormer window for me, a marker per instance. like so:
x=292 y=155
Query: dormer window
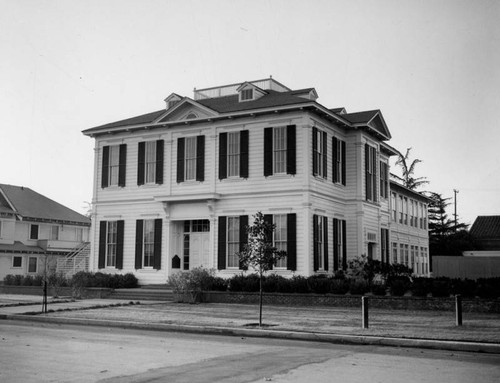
x=172 y=103
x=172 y=100
x=246 y=94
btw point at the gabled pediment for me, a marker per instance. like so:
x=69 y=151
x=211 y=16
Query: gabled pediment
x=186 y=109
x=378 y=123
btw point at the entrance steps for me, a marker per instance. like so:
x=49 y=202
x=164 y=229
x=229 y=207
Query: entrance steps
x=145 y=293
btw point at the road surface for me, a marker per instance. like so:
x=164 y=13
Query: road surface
x=35 y=352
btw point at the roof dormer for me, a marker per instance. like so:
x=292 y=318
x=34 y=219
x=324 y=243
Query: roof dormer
x=171 y=100
x=249 y=92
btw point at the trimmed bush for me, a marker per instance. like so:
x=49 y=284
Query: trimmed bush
x=421 y=287
x=339 y=286
x=488 y=288
x=8 y=280
x=379 y=289
x=27 y=280
x=465 y=287
x=398 y=286
x=358 y=286
x=299 y=285
x=441 y=287
x=319 y=284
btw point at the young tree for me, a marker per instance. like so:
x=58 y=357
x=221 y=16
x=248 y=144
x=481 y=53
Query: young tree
x=408 y=170
x=259 y=253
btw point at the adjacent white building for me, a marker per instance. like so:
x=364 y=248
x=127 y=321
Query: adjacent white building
x=34 y=229
x=174 y=189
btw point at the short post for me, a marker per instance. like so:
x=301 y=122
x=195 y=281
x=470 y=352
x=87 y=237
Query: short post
x=458 y=309
x=364 y=310
x=44 y=304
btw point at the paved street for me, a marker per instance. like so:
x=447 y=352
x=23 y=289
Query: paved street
x=32 y=352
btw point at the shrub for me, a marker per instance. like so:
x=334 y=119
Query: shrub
x=9 y=279
x=129 y=281
x=464 y=287
x=358 y=286
x=27 y=280
x=488 y=287
x=441 y=287
x=242 y=282
x=379 y=289
x=299 y=285
x=398 y=286
x=17 y=280
x=421 y=287
x=38 y=280
x=339 y=286
x=218 y=284
x=276 y=283
x=319 y=284
x=189 y=285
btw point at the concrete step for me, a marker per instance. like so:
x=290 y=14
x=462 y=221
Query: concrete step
x=143 y=294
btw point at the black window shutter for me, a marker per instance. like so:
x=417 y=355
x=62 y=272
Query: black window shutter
x=335 y=244
x=180 y=159
x=268 y=218
x=222 y=156
x=243 y=233
x=367 y=174
x=103 y=225
x=374 y=175
x=141 y=163
x=120 y=226
x=159 y=161
x=157 y=244
x=325 y=157
x=344 y=245
x=105 y=167
x=268 y=152
x=200 y=158
x=343 y=156
x=315 y=154
x=291 y=150
x=122 y=165
x=139 y=224
x=291 y=245
x=244 y=154
x=325 y=241
x=315 y=242
x=221 y=253
x=335 y=173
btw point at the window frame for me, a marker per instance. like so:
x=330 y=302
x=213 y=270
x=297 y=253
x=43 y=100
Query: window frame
x=320 y=153
x=34 y=235
x=30 y=264
x=280 y=149
x=247 y=94
x=150 y=148
x=371 y=173
x=111 y=247
x=148 y=243
x=17 y=257
x=232 y=242
x=233 y=160
x=54 y=233
x=280 y=241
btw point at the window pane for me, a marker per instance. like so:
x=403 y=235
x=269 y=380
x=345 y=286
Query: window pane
x=148 y=242
x=111 y=244
x=114 y=164
x=32 y=263
x=233 y=154
x=233 y=241
x=150 y=169
x=280 y=236
x=190 y=156
x=279 y=150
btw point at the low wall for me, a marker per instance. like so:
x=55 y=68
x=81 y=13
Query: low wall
x=389 y=303
x=88 y=293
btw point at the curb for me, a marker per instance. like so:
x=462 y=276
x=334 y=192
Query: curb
x=489 y=348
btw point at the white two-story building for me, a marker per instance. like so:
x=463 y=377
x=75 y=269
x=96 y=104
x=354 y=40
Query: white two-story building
x=35 y=229
x=174 y=189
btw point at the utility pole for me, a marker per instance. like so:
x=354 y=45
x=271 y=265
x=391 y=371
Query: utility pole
x=455 y=214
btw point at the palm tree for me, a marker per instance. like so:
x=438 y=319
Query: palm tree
x=408 y=171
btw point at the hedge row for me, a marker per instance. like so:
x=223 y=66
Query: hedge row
x=81 y=279
x=398 y=286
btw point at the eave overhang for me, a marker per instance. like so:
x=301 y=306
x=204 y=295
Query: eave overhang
x=311 y=106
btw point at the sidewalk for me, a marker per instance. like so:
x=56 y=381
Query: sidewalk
x=480 y=332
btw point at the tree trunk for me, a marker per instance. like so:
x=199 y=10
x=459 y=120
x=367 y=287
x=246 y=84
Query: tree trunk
x=260 y=300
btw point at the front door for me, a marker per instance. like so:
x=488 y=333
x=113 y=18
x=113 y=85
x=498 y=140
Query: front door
x=196 y=244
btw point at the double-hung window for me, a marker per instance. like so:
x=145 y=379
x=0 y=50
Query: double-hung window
x=232 y=239
x=280 y=237
x=32 y=264
x=384 y=179
x=279 y=150
x=54 y=233
x=113 y=165
x=111 y=234
x=191 y=159
x=233 y=154
x=371 y=173
x=339 y=158
x=148 y=243
x=320 y=241
x=339 y=244
x=34 y=231
x=233 y=242
x=384 y=245
x=394 y=252
x=319 y=153
x=150 y=162
x=400 y=206
x=111 y=243
x=394 y=207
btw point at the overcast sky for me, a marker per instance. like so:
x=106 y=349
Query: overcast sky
x=432 y=67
